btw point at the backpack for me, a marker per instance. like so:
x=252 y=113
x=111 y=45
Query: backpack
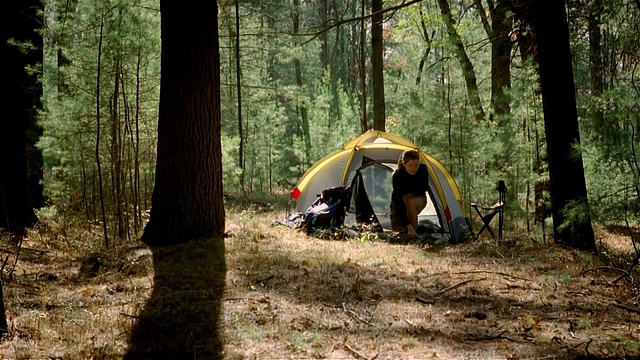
x=328 y=210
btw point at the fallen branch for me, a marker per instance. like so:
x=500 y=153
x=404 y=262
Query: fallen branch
x=636 y=261
x=626 y=307
x=456 y=285
x=425 y=301
x=358 y=354
x=490 y=337
x=484 y=272
x=627 y=272
x=353 y=315
x=586 y=348
x=604 y=268
x=7 y=250
x=263 y=280
x=433 y=297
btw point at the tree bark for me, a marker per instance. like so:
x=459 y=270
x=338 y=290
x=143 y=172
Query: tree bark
x=239 y=92
x=187 y=199
x=324 y=17
x=566 y=172
x=427 y=39
x=465 y=63
x=98 y=126
x=377 y=65
x=500 y=58
x=363 y=70
x=20 y=161
x=524 y=33
x=304 y=117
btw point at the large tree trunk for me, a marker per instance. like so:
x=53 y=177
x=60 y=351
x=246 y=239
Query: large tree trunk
x=187 y=199
x=465 y=63
x=569 y=204
x=377 y=75
x=20 y=161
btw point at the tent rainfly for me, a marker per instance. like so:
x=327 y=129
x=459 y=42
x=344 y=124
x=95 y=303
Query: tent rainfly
x=372 y=157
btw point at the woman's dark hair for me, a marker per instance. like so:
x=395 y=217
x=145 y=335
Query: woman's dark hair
x=410 y=154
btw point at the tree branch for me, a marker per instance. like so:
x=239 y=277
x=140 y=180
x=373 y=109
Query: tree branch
x=332 y=24
x=483 y=18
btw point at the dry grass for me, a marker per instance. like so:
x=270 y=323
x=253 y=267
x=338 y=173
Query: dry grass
x=290 y=296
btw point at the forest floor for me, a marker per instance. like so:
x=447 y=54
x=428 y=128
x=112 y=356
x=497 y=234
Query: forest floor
x=290 y=296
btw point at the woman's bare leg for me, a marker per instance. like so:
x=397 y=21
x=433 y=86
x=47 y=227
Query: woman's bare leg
x=414 y=204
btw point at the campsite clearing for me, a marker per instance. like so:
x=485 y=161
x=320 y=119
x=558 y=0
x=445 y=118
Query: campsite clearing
x=366 y=163
x=289 y=296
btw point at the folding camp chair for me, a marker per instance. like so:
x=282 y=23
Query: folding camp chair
x=491 y=211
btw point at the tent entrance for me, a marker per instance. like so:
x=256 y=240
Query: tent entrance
x=371 y=198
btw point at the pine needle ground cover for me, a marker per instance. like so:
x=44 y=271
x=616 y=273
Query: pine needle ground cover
x=289 y=296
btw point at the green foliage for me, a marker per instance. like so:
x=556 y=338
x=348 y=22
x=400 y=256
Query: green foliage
x=575 y=214
x=126 y=93
x=433 y=112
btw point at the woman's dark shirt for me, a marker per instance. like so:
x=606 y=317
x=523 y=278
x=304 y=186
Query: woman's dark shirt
x=405 y=183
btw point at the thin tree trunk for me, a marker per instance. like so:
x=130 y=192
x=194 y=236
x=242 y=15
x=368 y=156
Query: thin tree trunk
x=137 y=221
x=304 y=117
x=116 y=160
x=239 y=91
x=94 y=206
x=501 y=59
x=4 y=326
x=97 y=152
x=450 y=121
x=427 y=49
x=126 y=155
x=270 y=162
x=363 y=70
x=335 y=113
x=465 y=63
x=596 y=68
x=85 y=201
x=324 y=10
x=377 y=66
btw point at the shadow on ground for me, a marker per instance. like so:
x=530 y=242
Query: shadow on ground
x=481 y=305
x=181 y=319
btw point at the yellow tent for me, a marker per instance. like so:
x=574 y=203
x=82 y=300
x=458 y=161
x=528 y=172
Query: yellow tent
x=374 y=155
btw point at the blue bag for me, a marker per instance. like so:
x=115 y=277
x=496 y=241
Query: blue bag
x=328 y=210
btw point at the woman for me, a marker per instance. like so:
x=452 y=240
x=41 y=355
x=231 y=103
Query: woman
x=410 y=183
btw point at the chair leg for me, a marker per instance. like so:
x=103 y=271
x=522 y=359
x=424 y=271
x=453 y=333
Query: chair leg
x=486 y=220
x=493 y=235
x=500 y=223
x=488 y=228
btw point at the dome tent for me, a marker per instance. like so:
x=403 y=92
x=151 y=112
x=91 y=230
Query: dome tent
x=371 y=158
